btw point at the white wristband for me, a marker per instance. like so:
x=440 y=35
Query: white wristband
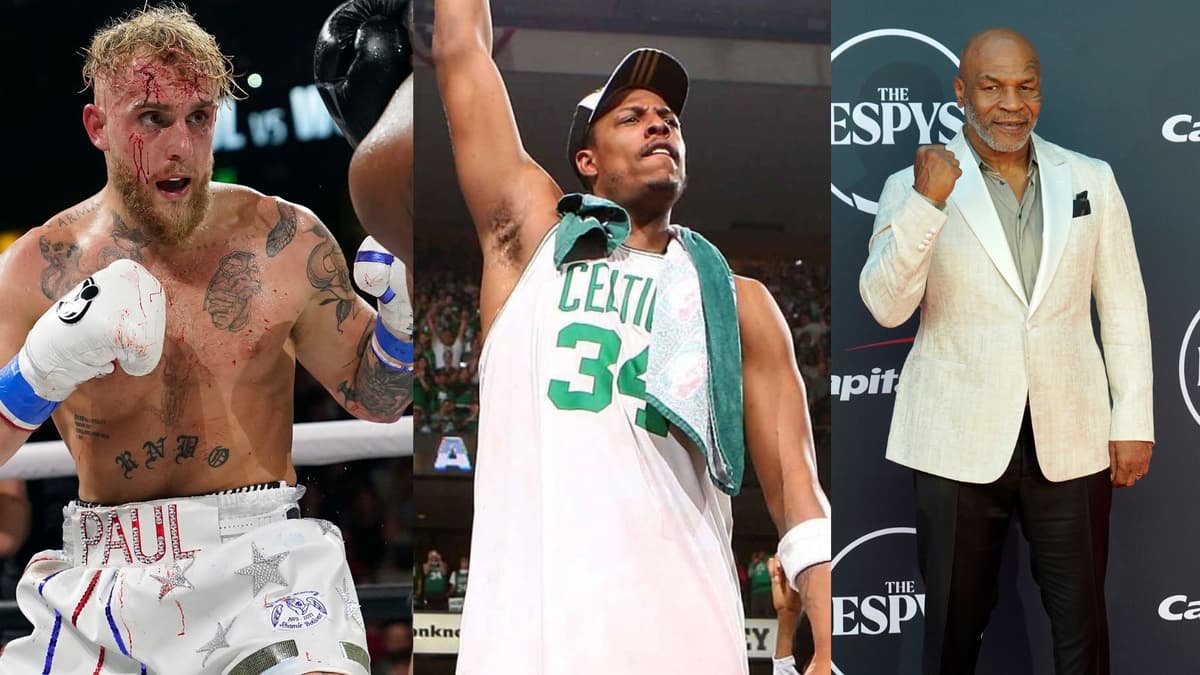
x=784 y=666
x=803 y=546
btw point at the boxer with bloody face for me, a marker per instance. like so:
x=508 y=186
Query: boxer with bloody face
x=218 y=290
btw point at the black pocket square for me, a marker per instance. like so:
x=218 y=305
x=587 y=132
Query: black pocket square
x=1081 y=206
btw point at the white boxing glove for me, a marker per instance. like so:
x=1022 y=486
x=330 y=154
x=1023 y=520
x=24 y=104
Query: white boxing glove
x=118 y=314
x=381 y=274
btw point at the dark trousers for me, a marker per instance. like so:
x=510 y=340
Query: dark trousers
x=961 y=528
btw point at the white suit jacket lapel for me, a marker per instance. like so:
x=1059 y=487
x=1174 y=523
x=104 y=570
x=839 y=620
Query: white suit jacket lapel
x=1057 y=200
x=974 y=202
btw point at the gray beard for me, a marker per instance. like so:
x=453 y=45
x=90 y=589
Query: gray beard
x=985 y=134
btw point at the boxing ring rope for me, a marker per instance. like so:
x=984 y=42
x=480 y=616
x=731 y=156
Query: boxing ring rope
x=313 y=443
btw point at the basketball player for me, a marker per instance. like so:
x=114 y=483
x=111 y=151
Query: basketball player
x=159 y=322
x=580 y=485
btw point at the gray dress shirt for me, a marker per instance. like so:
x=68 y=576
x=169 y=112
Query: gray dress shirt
x=1022 y=221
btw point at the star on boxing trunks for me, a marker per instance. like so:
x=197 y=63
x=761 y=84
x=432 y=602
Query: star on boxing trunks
x=346 y=593
x=264 y=570
x=218 y=642
x=175 y=578
x=327 y=527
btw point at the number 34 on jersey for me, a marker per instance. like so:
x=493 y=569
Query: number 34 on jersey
x=607 y=313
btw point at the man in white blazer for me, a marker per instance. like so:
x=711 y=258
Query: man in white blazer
x=1006 y=404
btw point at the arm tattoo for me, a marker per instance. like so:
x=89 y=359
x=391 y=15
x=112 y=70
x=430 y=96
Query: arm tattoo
x=232 y=289
x=381 y=391
x=328 y=274
x=128 y=243
x=62 y=267
x=284 y=231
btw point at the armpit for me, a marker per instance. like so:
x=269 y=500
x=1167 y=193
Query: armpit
x=505 y=233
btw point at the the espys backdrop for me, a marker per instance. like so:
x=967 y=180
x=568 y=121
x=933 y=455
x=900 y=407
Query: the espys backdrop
x=1121 y=84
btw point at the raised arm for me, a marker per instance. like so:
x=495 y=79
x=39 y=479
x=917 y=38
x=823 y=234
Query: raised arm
x=912 y=211
x=463 y=321
x=779 y=438
x=510 y=197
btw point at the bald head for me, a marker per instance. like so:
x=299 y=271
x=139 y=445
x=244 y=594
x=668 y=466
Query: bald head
x=996 y=43
x=999 y=86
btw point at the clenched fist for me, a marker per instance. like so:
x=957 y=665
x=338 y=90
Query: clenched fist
x=116 y=317
x=934 y=173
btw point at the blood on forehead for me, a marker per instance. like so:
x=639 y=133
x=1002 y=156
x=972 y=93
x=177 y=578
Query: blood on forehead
x=161 y=80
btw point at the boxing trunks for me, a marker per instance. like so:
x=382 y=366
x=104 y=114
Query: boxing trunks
x=233 y=583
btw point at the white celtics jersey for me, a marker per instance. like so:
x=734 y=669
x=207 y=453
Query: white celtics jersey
x=600 y=546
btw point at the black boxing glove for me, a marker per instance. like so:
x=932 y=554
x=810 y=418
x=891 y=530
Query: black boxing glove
x=363 y=55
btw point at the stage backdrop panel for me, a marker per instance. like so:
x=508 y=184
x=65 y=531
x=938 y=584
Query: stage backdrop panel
x=1120 y=83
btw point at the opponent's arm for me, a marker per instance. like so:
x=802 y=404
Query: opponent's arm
x=15 y=514
x=779 y=438
x=363 y=69
x=502 y=185
x=381 y=177
x=336 y=330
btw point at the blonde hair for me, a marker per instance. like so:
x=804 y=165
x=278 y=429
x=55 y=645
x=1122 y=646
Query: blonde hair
x=167 y=32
